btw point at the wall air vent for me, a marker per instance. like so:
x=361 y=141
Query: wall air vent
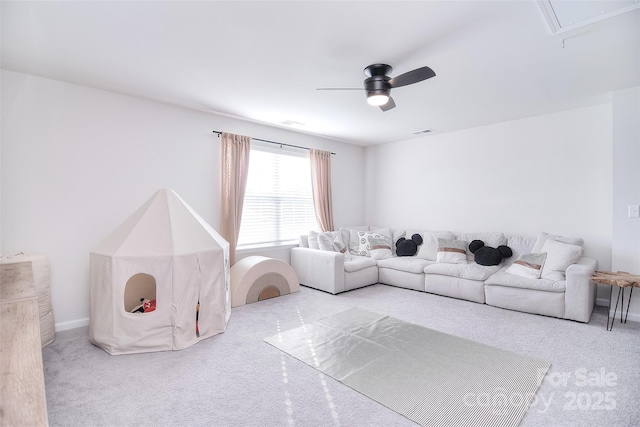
x=423 y=131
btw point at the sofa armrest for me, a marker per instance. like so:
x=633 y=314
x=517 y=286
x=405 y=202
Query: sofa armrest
x=580 y=293
x=318 y=269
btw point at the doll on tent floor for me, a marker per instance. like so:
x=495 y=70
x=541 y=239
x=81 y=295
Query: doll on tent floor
x=147 y=306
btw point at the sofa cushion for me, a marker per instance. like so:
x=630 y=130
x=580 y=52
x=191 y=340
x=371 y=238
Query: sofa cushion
x=357 y=263
x=452 y=251
x=528 y=265
x=559 y=257
x=429 y=248
x=502 y=278
x=471 y=271
x=490 y=239
x=405 y=263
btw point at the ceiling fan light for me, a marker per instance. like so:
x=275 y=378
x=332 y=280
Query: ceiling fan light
x=377 y=99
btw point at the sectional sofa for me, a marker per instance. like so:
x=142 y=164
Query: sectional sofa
x=547 y=274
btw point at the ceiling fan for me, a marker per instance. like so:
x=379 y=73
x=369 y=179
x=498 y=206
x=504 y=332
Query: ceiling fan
x=378 y=84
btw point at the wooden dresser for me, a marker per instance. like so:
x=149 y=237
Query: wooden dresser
x=22 y=394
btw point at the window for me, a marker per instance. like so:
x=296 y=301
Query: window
x=278 y=202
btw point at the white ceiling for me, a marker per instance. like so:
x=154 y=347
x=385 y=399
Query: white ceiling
x=262 y=61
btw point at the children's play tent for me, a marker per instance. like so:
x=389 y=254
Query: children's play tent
x=165 y=255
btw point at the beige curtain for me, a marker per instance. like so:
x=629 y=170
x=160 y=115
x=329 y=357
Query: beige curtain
x=235 y=167
x=321 y=184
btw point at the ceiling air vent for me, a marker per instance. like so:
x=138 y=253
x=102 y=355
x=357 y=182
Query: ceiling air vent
x=423 y=131
x=292 y=123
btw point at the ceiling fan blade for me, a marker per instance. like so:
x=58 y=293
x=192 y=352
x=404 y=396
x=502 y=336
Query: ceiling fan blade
x=340 y=88
x=411 y=77
x=389 y=105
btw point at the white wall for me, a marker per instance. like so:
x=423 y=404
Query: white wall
x=548 y=173
x=77 y=161
x=626 y=184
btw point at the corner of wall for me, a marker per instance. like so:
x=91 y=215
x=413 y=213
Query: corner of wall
x=625 y=248
x=369 y=183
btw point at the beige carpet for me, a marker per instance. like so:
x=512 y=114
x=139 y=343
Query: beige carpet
x=430 y=377
x=235 y=379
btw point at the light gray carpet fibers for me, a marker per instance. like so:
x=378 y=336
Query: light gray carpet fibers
x=236 y=379
x=432 y=378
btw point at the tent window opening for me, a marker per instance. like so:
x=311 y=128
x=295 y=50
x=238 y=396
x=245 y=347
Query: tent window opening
x=278 y=201
x=140 y=294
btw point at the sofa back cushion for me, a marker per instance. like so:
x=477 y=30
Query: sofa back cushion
x=312 y=239
x=543 y=237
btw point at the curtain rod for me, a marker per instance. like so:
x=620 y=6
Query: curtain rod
x=273 y=142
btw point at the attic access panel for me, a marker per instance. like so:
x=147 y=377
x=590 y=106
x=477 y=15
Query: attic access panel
x=565 y=15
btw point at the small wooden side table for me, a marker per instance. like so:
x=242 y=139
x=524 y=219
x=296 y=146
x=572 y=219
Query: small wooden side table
x=622 y=280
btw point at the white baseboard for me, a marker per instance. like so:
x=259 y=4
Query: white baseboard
x=72 y=324
x=632 y=317
x=63 y=326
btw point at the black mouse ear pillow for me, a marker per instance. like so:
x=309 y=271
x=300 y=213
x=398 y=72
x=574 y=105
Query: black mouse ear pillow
x=486 y=255
x=406 y=247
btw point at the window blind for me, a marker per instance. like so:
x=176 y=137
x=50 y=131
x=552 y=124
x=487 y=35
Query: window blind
x=278 y=203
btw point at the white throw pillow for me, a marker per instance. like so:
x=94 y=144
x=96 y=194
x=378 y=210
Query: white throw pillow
x=380 y=248
x=331 y=241
x=313 y=239
x=325 y=241
x=429 y=247
x=354 y=241
x=559 y=257
x=364 y=247
x=338 y=244
x=346 y=232
x=452 y=251
x=528 y=265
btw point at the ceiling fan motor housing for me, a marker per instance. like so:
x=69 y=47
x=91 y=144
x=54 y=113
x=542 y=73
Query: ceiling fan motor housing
x=377 y=85
x=377 y=82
